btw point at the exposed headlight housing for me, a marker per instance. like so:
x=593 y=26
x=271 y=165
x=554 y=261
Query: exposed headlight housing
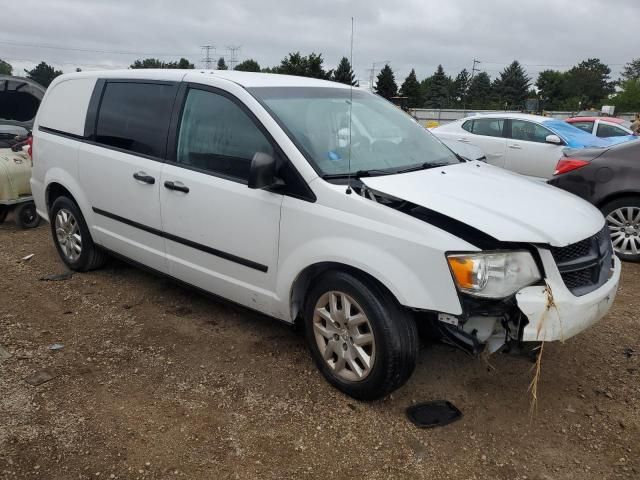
x=493 y=274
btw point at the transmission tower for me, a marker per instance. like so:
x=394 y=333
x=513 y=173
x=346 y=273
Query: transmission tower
x=372 y=72
x=208 y=59
x=233 y=55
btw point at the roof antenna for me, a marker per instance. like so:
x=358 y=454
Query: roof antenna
x=348 y=192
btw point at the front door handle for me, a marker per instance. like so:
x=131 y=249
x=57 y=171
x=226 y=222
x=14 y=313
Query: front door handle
x=515 y=147
x=463 y=140
x=144 y=178
x=177 y=186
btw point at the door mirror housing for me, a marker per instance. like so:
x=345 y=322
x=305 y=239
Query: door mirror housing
x=555 y=139
x=262 y=173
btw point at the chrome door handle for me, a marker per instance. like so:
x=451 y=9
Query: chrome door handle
x=144 y=178
x=515 y=147
x=463 y=140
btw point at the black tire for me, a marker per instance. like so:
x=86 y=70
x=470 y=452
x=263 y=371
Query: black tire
x=394 y=332
x=4 y=211
x=26 y=215
x=623 y=202
x=91 y=256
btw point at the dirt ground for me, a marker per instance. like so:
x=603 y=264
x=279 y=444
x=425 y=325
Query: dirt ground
x=156 y=381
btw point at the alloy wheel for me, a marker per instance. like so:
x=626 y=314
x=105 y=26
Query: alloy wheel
x=344 y=336
x=68 y=235
x=624 y=224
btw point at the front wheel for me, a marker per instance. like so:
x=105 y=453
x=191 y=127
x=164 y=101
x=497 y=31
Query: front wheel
x=362 y=341
x=623 y=219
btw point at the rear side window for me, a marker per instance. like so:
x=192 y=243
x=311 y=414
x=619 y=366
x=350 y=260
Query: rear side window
x=606 y=130
x=488 y=127
x=529 y=131
x=135 y=117
x=217 y=136
x=468 y=126
x=586 y=126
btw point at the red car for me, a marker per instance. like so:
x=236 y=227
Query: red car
x=604 y=127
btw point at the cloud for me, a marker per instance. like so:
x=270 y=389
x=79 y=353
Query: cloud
x=410 y=34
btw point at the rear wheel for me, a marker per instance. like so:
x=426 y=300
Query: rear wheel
x=26 y=215
x=623 y=219
x=72 y=238
x=361 y=340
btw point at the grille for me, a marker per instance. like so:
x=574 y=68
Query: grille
x=584 y=265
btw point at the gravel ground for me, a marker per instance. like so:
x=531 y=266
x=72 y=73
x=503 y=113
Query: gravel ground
x=156 y=381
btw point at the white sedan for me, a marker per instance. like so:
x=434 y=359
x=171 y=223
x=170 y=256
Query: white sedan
x=527 y=144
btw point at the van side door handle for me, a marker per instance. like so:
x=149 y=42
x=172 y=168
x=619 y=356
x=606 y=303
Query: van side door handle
x=464 y=140
x=515 y=146
x=177 y=186
x=144 y=178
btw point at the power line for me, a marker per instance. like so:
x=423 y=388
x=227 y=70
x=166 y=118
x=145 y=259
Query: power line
x=208 y=60
x=89 y=50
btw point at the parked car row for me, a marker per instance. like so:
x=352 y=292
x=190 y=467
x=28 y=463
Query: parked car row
x=316 y=203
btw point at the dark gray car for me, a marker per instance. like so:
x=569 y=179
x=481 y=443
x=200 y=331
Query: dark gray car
x=609 y=178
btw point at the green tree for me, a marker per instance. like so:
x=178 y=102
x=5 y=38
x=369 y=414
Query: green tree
x=631 y=70
x=147 y=63
x=184 y=64
x=628 y=100
x=437 y=94
x=590 y=81
x=411 y=89
x=512 y=86
x=309 y=66
x=552 y=89
x=5 y=68
x=460 y=87
x=480 y=93
x=249 y=65
x=344 y=73
x=386 y=85
x=43 y=74
x=222 y=64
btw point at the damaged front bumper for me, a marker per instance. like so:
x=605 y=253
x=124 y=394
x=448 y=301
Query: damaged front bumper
x=555 y=314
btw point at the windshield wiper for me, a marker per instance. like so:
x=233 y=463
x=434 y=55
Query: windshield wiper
x=422 y=166
x=359 y=173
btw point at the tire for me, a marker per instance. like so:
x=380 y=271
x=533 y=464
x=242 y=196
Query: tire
x=26 y=215
x=4 y=211
x=393 y=347
x=623 y=218
x=67 y=223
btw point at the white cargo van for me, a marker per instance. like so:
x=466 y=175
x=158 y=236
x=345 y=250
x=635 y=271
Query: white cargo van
x=312 y=202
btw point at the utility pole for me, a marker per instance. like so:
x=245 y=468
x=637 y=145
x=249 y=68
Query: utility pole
x=473 y=72
x=372 y=72
x=207 y=60
x=233 y=55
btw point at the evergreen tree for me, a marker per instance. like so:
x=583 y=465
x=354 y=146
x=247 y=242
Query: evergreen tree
x=512 y=86
x=296 y=64
x=249 y=65
x=479 y=93
x=221 y=64
x=344 y=73
x=437 y=95
x=5 y=68
x=460 y=87
x=148 y=63
x=43 y=74
x=631 y=70
x=411 y=89
x=386 y=83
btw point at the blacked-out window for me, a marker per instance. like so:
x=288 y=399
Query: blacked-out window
x=217 y=136
x=135 y=117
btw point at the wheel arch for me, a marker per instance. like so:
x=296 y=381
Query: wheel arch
x=616 y=195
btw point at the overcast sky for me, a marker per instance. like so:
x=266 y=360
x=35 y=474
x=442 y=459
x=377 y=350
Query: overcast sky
x=409 y=33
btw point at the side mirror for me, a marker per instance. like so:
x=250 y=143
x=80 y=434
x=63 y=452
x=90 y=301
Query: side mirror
x=262 y=173
x=556 y=140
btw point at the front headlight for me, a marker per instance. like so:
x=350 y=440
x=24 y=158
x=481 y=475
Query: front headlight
x=493 y=274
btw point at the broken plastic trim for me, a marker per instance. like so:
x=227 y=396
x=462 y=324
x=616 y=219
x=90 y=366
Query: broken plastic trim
x=433 y=414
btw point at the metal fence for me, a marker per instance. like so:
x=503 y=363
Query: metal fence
x=434 y=117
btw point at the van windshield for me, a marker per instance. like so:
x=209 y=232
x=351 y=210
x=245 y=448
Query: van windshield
x=384 y=139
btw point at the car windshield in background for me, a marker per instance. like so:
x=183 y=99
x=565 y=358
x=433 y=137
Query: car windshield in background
x=384 y=139
x=575 y=137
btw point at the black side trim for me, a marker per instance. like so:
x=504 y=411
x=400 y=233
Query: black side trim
x=92 y=110
x=184 y=241
x=60 y=133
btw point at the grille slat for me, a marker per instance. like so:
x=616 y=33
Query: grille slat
x=595 y=252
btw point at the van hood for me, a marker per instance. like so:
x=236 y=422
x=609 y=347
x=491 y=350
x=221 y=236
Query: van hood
x=504 y=205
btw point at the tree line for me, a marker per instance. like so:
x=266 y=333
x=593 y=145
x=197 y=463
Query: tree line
x=586 y=85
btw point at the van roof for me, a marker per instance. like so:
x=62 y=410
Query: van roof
x=245 y=79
